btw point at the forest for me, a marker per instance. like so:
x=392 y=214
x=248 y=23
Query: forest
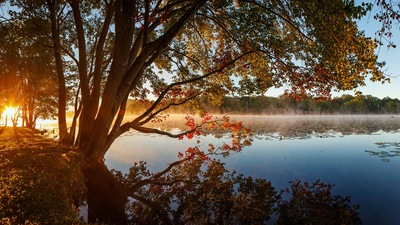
x=267 y=105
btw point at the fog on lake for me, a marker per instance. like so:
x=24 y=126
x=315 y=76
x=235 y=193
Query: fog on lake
x=359 y=154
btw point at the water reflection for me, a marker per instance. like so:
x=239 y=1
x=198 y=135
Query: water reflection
x=192 y=192
x=335 y=149
x=393 y=150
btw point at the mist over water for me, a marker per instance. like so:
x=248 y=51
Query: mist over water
x=296 y=126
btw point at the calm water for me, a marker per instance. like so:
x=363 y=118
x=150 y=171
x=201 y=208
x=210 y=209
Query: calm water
x=361 y=155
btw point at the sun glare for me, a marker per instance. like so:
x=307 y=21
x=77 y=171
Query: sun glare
x=10 y=111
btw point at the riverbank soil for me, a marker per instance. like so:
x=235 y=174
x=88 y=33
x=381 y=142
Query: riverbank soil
x=41 y=181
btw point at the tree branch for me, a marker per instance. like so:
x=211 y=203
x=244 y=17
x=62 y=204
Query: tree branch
x=193 y=80
x=165 y=133
x=99 y=57
x=155 y=208
x=159 y=44
x=186 y=56
x=167 y=107
x=291 y=23
x=144 y=182
x=146 y=21
x=82 y=65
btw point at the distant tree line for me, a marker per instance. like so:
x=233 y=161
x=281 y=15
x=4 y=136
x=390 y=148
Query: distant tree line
x=345 y=104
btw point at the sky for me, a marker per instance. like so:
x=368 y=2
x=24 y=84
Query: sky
x=390 y=56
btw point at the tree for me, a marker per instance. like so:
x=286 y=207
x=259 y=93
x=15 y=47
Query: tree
x=372 y=103
x=356 y=105
x=9 y=84
x=119 y=49
x=391 y=106
x=27 y=74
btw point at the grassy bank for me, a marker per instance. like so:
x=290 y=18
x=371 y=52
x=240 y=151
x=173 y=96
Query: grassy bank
x=40 y=180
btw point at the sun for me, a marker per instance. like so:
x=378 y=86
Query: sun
x=10 y=112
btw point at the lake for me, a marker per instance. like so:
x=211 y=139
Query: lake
x=359 y=154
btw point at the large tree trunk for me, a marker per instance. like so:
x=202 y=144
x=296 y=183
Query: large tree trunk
x=106 y=197
x=130 y=57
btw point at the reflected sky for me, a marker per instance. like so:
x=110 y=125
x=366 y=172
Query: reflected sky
x=336 y=150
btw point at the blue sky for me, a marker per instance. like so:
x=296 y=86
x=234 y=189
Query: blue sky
x=390 y=56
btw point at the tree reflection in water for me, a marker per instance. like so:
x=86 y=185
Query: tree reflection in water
x=204 y=192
